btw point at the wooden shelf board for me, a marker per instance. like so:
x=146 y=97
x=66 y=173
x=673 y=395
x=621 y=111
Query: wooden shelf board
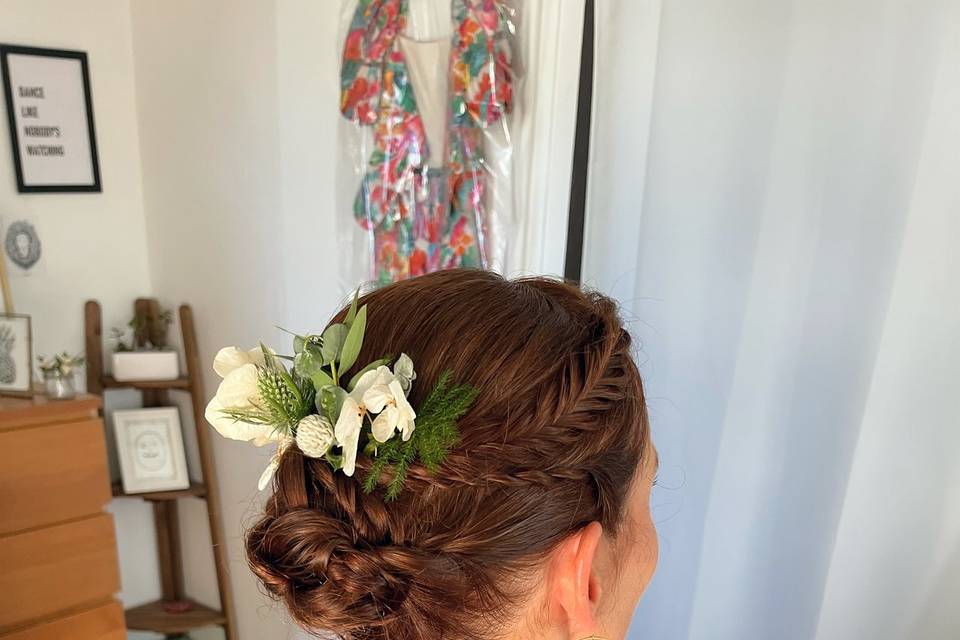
x=196 y=490
x=109 y=382
x=152 y=617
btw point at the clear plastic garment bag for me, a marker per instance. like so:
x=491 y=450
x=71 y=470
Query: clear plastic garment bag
x=427 y=93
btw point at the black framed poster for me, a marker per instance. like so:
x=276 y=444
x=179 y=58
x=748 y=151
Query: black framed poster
x=51 y=119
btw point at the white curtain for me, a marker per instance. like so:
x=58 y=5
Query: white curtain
x=774 y=199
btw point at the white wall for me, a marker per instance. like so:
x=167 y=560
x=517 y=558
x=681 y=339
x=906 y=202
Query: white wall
x=94 y=244
x=238 y=107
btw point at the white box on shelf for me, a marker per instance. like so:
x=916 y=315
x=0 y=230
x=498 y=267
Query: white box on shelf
x=145 y=365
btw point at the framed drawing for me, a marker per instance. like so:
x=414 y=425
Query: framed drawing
x=16 y=360
x=51 y=119
x=150 y=448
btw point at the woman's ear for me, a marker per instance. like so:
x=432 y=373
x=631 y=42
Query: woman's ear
x=574 y=588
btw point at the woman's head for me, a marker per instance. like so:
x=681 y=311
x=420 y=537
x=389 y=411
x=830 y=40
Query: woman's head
x=536 y=525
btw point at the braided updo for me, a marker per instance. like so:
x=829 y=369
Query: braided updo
x=552 y=443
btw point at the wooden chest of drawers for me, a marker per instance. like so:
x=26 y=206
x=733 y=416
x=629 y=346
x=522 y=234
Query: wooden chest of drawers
x=58 y=558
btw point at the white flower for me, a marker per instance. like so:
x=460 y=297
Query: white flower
x=274 y=463
x=377 y=392
x=230 y=358
x=238 y=390
x=395 y=413
x=403 y=371
x=350 y=421
x=226 y=426
x=347 y=432
x=314 y=436
x=380 y=375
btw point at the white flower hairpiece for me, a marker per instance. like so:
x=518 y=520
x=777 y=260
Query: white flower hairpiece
x=260 y=401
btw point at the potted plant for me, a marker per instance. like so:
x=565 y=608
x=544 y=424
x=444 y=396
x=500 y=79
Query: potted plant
x=146 y=355
x=59 y=375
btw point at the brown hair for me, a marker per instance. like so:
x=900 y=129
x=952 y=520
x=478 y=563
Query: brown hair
x=552 y=443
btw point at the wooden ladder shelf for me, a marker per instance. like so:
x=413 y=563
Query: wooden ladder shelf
x=158 y=616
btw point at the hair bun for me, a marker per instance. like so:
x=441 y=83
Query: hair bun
x=331 y=580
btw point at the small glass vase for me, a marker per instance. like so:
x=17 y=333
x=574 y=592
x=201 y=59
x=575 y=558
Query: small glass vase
x=59 y=386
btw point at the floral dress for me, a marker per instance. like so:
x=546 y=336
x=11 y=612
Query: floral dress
x=425 y=218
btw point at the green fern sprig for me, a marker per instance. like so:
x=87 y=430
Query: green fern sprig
x=435 y=434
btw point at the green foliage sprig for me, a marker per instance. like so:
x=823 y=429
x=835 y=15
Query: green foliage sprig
x=324 y=358
x=435 y=435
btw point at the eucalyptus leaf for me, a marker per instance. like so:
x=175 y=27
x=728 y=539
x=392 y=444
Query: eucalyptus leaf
x=330 y=400
x=321 y=379
x=354 y=340
x=370 y=367
x=308 y=362
x=333 y=339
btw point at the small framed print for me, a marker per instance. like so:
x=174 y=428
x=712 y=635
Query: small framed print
x=51 y=119
x=16 y=360
x=150 y=448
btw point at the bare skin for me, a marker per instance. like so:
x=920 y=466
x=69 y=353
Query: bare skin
x=594 y=582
